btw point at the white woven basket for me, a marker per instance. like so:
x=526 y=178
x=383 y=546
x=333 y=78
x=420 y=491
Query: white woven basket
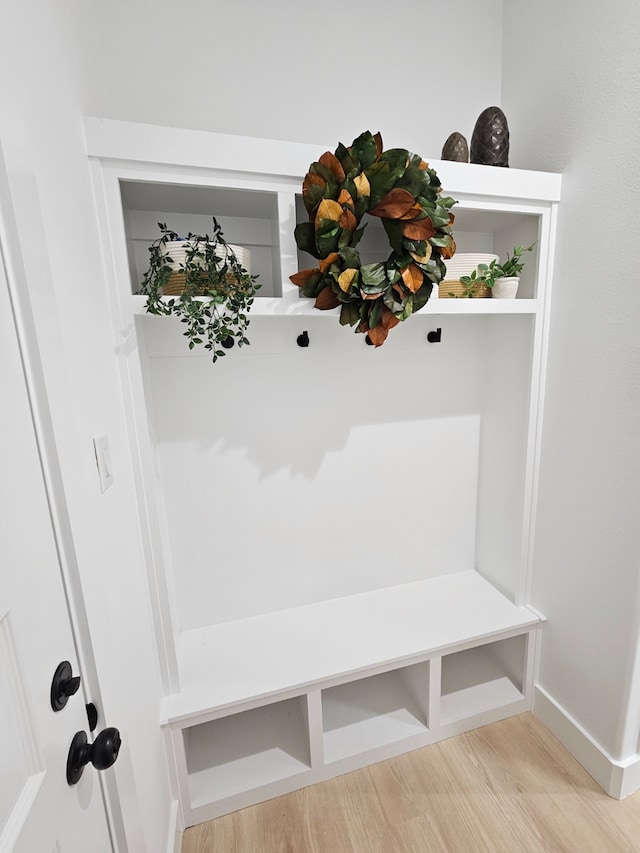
x=177 y=250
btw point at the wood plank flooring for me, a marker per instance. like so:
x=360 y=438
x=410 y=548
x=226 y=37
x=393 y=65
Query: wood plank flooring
x=505 y=788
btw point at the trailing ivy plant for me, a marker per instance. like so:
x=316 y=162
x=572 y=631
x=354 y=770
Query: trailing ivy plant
x=209 y=291
x=513 y=266
x=479 y=278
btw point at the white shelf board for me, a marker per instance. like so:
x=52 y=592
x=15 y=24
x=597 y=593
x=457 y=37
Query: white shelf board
x=296 y=307
x=369 y=713
x=111 y=139
x=480 y=306
x=253 y=660
x=246 y=751
x=473 y=683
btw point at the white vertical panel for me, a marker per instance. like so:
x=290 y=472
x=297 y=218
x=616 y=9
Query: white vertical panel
x=435 y=691
x=18 y=746
x=505 y=443
x=288 y=250
x=314 y=723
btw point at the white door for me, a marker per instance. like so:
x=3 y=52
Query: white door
x=39 y=811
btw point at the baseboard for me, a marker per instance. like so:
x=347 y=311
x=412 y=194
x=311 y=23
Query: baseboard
x=617 y=778
x=174 y=836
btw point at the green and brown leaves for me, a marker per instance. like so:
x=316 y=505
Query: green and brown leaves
x=396 y=187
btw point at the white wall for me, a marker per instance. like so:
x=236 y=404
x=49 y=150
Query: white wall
x=307 y=72
x=294 y=462
x=39 y=106
x=571 y=92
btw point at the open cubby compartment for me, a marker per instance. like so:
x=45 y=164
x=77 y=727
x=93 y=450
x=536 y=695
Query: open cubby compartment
x=371 y=712
x=246 y=751
x=495 y=228
x=255 y=218
x=485 y=678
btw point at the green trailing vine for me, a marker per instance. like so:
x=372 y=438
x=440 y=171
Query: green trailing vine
x=209 y=290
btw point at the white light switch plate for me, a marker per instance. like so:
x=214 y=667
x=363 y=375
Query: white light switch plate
x=103 y=460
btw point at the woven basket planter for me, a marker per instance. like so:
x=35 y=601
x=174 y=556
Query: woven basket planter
x=458 y=289
x=176 y=283
x=176 y=252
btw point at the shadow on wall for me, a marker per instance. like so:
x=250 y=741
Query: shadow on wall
x=287 y=411
x=295 y=475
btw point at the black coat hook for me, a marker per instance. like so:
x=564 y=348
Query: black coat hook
x=435 y=337
x=303 y=339
x=368 y=341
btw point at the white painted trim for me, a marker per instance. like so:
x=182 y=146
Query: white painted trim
x=617 y=778
x=109 y=139
x=543 y=321
x=176 y=830
x=18 y=190
x=150 y=501
x=283 y=306
x=20 y=812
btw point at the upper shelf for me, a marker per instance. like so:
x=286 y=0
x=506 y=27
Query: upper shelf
x=300 y=307
x=129 y=141
x=253 y=187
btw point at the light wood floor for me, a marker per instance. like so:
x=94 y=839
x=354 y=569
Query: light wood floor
x=505 y=788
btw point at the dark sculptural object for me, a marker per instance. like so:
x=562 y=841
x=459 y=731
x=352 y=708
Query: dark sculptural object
x=456 y=148
x=490 y=140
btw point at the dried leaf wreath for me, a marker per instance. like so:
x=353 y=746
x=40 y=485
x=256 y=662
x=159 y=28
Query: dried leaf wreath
x=400 y=189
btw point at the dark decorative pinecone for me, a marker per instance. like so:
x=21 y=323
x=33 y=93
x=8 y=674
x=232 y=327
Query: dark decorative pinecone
x=456 y=148
x=490 y=140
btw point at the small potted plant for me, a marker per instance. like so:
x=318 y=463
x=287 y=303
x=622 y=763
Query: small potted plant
x=504 y=277
x=201 y=281
x=501 y=278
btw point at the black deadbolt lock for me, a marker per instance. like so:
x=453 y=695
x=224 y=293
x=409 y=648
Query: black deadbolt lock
x=102 y=753
x=92 y=716
x=64 y=685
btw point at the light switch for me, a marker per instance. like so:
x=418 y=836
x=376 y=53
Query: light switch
x=103 y=461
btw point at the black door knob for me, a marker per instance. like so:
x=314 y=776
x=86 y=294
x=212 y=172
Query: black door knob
x=64 y=685
x=102 y=753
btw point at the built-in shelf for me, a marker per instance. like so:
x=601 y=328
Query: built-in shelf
x=336 y=534
x=234 y=754
x=371 y=712
x=478 y=679
x=298 y=307
x=255 y=659
x=367 y=677
x=248 y=218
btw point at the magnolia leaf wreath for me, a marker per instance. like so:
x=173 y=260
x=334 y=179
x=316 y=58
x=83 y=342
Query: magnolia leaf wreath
x=400 y=189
